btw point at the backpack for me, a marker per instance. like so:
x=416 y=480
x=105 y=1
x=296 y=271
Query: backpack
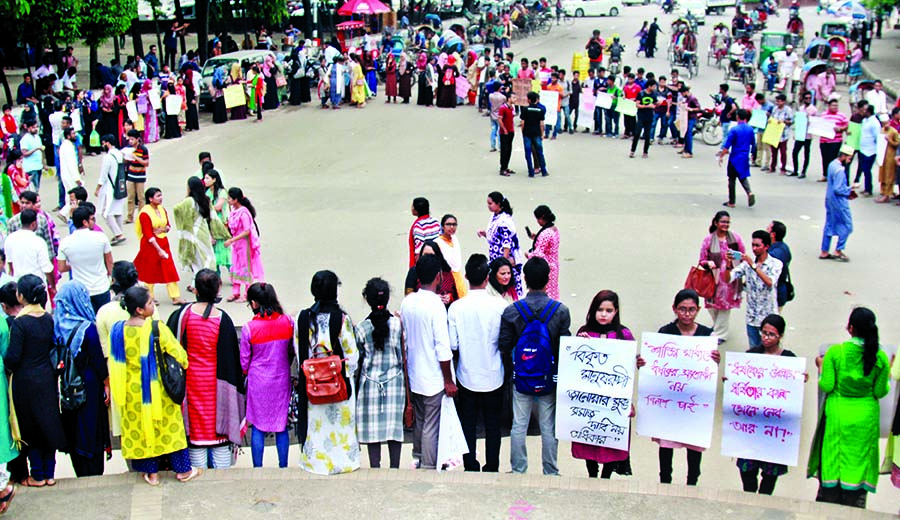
x=71 y=384
x=595 y=51
x=119 y=189
x=533 y=359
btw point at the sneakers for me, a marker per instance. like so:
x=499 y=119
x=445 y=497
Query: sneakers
x=751 y=200
x=493 y=149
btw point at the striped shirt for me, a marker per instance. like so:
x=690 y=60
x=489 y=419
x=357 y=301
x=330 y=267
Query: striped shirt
x=136 y=172
x=837 y=119
x=423 y=229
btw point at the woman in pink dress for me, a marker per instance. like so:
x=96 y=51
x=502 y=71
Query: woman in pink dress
x=603 y=322
x=151 y=121
x=546 y=246
x=246 y=263
x=715 y=256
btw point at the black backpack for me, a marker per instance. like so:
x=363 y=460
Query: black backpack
x=120 y=191
x=71 y=384
x=595 y=51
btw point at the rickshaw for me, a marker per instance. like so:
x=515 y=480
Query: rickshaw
x=678 y=26
x=740 y=61
x=795 y=26
x=719 y=44
x=818 y=49
x=351 y=34
x=684 y=51
x=840 y=54
x=771 y=42
x=830 y=29
x=859 y=89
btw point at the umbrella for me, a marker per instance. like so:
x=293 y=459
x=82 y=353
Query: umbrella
x=814 y=67
x=849 y=8
x=363 y=7
x=863 y=85
x=818 y=48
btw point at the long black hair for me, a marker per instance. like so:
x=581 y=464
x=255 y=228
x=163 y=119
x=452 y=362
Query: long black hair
x=377 y=294
x=494 y=267
x=218 y=185
x=135 y=298
x=501 y=201
x=197 y=191
x=863 y=322
x=715 y=221
x=238 y=195
x=445 y=267
x=592 y=325
x=207 y=284
x=32 y=289
x=264 y=295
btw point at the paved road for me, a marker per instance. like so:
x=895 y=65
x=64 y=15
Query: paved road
x=333 y=190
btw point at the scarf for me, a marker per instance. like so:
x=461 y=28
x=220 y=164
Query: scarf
x=156 y=221
x=150 y=388
x=108 y=98
x=31 y=308
x=73 y=315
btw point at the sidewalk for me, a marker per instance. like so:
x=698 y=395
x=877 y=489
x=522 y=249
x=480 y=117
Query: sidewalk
x=884 y=62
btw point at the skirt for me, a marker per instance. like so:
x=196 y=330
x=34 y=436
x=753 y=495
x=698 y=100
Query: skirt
x=239 y=112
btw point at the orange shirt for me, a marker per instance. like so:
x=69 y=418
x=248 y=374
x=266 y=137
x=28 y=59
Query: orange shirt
x=559 y=90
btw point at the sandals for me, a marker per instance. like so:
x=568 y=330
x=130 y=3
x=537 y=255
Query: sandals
x=5 y=501
x=30 y=482
x=826 y=257
x=195 y=472
x=841 y=257
x=147 y=479
x=51 y=482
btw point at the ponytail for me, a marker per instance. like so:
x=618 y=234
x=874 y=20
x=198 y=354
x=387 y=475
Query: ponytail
x=862 y=320
x=377 y=294
x=238 y=195
x=503 y=202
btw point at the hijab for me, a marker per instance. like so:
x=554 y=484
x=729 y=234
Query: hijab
x=219 y=75
x=108 y=98
x=422 y=60
x=73 y=315
x=403 y=65
x=146 y=86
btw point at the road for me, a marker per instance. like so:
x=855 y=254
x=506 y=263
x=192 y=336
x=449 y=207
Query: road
x=333 y=191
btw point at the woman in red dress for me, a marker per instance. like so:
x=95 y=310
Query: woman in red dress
x=154 y=260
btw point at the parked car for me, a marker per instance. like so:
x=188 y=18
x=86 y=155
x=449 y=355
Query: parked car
x=246 y=58
x=697 y=9
x=636 y=2
x=579 y=8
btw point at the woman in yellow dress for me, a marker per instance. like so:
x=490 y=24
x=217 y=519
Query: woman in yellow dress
x=358 y=82
x=152 y=424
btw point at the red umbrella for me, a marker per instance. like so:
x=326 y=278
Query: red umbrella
x=363 y=7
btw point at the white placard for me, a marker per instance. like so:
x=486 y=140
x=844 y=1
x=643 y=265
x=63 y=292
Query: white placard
x=550 y=100
x=173 y=104
x=131 y=109
x=604 y=100
x=821 y=127
x=762 y=407
x=155 y=101
x=586 y=108
x=594 y=390
x=677 y=388
x=880 y=150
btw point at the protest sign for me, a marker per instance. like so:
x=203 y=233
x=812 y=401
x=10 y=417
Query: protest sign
x=677 y=388
x=550 y=100
x=762 y=407
x=234 y=96
x=772 y=134
x=604 y=100
x=759 y=118
x=853 y=135
x=132 y=111
x=594 y=390
x=173 y=104
x=155 y=100
x=821 y=127
x=521 y=88
x=586 y=107
x=626 y=107
x=801 y=124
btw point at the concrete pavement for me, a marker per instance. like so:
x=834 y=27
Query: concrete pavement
x=884 y=60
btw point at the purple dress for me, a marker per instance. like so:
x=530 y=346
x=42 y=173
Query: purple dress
x=266 y=343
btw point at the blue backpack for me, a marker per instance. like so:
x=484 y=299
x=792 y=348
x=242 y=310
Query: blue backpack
x=533 y=359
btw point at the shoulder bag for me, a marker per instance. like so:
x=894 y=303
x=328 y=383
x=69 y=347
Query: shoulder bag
x=325 y=382
x=171 y=372
x=701 y=280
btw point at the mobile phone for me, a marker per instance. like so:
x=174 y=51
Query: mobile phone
x=527 y=231
x=736 y=255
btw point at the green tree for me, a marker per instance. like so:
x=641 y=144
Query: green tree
x=101 y=20
x=50 y=22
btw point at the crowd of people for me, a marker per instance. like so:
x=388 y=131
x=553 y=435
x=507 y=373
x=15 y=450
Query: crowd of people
x=462 y=315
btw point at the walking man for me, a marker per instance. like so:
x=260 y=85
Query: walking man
x=506 y=123
x=739 y=142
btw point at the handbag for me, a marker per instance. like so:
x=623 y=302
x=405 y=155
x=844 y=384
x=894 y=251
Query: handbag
x=280 y=80
x=324 y=378
x=789 y=293
x=171 y=372
x=703 y=281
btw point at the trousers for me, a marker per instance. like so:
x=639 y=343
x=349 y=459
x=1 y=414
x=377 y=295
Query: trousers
x=135 y=192
x=488 y=405
x=665 y=465
x=546 y=409
x=427 y=426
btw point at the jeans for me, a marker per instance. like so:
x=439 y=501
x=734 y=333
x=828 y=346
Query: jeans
x=43 y=463
x=689 y=136
x=726 y=127
x=795 y=154
x=574 y=112
x=495 y=129
x=488 y=405
x=258 y=446
x=555 y=128
x=752 y=484
x=546 y=408
x=598 y=121
x=673 y=130
x=612 y=118
x=662 y=129
x=567 y=117
x=864 y=168
x=643 y=126
x=732 y=178
x=506 y=141
x=99 y=300
x=537 y=145
x=34 y=177
x=753 y=336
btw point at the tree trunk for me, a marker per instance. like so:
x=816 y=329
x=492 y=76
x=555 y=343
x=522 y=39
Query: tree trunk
x=116 y=49
x=3 y=79
x=57 y=59
x=159 y=44
x=179 y=17
x=307 y=20
x=202 y=11
x=94 y=79
x=137 y=39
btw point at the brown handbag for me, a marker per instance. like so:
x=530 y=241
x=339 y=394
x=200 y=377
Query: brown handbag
x=703 y=281
x=324 y=378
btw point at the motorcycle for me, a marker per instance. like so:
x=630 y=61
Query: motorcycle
x=615 y=65
x=709 y=126
x=668 y=6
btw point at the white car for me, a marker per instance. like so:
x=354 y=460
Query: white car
x=636 y=2
x=697 y=8
x=579 y=8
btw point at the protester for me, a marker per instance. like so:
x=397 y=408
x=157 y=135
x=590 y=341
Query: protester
x=534 y=394
x=758 y=274
x=194 y=223
x=868 y=148
x=425 y=227
x=532 y=118
x=507 y=128
x=474 y=326
x=136 y=163
x=809 y=108
x=501 y=235
x=112 y=208
x=887 y=171
x=381 y=401
x=739 y=142
x=451 y=251
x=830 y=146
x=844 y=452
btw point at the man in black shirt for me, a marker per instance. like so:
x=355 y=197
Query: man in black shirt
x=532 y=118
x=646 y=103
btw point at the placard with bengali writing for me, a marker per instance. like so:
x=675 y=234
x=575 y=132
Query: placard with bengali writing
x=762 y=407
x=677 y=388
x=594 y=391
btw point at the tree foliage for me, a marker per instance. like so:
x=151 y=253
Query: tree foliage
x=103 y=19
x=269 y=12
x=49 y=22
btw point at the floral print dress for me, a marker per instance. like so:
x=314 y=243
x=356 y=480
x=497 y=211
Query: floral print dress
x=501 y=234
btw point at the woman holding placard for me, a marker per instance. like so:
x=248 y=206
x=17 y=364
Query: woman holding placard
x=686 y=307
x=603 y=322
x=844 y=451
x=771 y=331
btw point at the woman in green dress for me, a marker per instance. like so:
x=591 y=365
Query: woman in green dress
x=215 y=191
x=8 y=448
x=844 y=453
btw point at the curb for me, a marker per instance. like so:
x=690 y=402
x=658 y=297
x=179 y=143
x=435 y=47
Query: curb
x=892 y=87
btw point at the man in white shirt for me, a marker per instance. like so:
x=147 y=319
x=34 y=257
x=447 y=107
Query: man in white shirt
x=111 y=208
x=88 y=255
x=69 y=172
x=474 y=331
x=26 y=252
x=428 y=358
x=878 y=99
x=787 y=63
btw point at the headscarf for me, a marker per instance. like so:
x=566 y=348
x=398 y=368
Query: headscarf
x=442 y=59
x=237 y=73
x=403 y=65
x=219 y=75
x=108 y=98
x=267 y=65
x=146 y=86
x=422 y=60
x=73 y=315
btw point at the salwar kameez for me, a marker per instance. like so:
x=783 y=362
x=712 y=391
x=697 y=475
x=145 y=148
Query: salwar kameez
x=546 y=246
x=195 y=248
x=501 y=236
x=728 y=293
x=220 y=233
x=153 y=269
x=382 y=389
x=358 y=82
x=246 y=262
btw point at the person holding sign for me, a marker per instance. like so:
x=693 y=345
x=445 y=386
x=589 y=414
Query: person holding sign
x=830 y=146
x=772 y=331
x=844 y=453
x=603 y=321
x=803 y=140
x=686 y=306
x=785 y=115
x=758 y=274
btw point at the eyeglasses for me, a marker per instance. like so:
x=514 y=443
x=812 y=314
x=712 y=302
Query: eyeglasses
x=687 y=310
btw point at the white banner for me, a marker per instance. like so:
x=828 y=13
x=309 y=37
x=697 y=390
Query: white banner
x=821 y=127
x=173 y=104
x=550 y=100
x=677 y=388
x=594 y=390
x=762 y=407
